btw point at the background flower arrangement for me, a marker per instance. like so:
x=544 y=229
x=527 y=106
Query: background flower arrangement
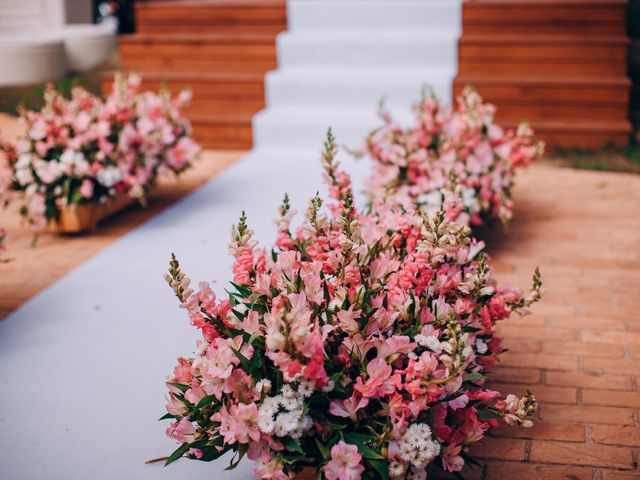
x=357 y=347
x=457 y=157
x=83 y=150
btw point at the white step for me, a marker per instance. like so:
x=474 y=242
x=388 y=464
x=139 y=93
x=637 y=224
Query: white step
x=300 y=127
x=388 y=48
x=374 y=15
x=348 y=87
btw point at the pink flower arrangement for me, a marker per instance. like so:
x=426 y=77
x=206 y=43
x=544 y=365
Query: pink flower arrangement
x=456 y=157
x=86 y=150
x=358 y=346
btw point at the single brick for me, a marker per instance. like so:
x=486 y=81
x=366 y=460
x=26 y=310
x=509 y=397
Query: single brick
x=525 y=376
x=568 y=432
x=539 y=360
x=537 y=332
x=612 y=366
x=614 y=435
x=518 y=471
x=619 y=475
x=584 y=380
x=500 y=448
x=559 y=347
x=543 y=393
x=616 y=338
x=581 y=454
x=612 y=398
x=586 y=414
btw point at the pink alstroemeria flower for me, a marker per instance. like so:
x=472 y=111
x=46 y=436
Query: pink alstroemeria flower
x=344 y=463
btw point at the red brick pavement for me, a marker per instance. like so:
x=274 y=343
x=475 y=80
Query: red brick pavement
x=580 y=350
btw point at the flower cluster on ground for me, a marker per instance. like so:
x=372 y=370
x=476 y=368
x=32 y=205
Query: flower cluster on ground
x=358 y=346
x=87 y=150
x=456 y=157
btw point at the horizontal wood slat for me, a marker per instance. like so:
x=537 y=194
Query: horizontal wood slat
x=220 y=49
x=560 y=64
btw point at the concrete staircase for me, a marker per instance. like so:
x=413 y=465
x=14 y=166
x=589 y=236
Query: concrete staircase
x=561 y=64
x=338 y=59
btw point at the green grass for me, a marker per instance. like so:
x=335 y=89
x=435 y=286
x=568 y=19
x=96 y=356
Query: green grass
x=610 y=158
x=32 y=96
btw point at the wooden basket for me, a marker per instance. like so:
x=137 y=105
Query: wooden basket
x=85 y=218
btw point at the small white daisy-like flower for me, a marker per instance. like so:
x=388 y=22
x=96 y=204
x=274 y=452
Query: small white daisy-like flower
x=417 y=446
x=481 y=346
x=287 y=391
x=397 y=469
x=306 y=388
x=417 y=474
x=428 y=341
x=263 y=385
x=329 y=386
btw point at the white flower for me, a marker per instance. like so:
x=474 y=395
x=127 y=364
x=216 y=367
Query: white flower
x=24 y=161
x=263 y=385
x=109 y=176
x=286 y=423
x=433 y=199
x=287 y=391
x=282 y=415
x=306 y=388
x=428 y=341
x=397 y=469
x=417 y=447
x=417 y=474
x=469 y=197
x=329 y=386
x=481 y=346
x=24 y=176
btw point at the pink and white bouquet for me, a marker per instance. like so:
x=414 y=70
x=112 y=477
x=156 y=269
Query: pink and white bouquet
x=83 y=149
x=6 y=175
x=456 y=157
x=357 y=347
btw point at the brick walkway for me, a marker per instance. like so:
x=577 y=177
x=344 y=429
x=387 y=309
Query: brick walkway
x=579 y=352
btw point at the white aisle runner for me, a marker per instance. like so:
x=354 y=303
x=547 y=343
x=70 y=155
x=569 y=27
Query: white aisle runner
x=82 y=364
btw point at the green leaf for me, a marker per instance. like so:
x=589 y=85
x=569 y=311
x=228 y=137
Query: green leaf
x=241 y=289
x=382 y=467
x=178 y=453
x=470 y=377
x=365 y=451
x=488 y=415
x=469 y=328
x=212 y=453
x=166 y=416
x=293 y=445
x=325 y=289
x=244 y=361
x=181 y=387
x=324 y=451
x=237 y=457
x=208 y=400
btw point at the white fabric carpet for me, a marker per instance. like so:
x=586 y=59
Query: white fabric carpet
x=82 y=364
